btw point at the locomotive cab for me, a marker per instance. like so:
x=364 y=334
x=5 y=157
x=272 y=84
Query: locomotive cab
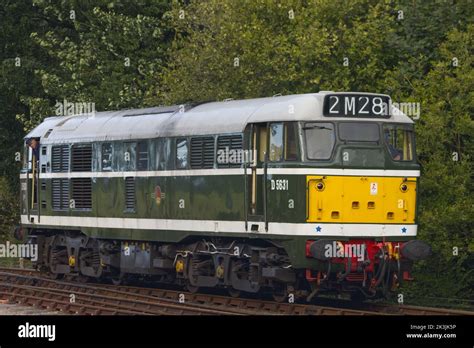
x=365 y=210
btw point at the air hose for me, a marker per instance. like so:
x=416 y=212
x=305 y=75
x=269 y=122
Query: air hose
x=348 y=270
x=381 y=271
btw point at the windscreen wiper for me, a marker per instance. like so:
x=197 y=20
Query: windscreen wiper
x=317 y=127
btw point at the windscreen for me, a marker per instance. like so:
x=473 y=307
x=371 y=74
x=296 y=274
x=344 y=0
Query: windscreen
x=320 y=139
x=359 y=132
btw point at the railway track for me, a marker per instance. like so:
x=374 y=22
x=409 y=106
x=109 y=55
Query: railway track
x=79 y=298
x=253 y=306
x=416 y=310
x=26 y=285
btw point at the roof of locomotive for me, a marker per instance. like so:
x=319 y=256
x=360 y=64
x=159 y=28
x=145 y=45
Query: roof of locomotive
x=208 y=118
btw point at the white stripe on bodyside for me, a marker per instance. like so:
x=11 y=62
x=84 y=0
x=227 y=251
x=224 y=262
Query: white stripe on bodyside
x=274 y=228
x=233 y=171
x=344 y=172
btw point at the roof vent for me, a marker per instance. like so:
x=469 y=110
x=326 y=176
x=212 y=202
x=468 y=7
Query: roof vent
x=48 y=133
x=151 y=111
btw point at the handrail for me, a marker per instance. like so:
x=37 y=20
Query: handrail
x=265 y=191
x=27 y=191
x=245 y=196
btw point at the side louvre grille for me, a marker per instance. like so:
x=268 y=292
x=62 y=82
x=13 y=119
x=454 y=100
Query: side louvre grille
x=130 y=193
x=142 y=156
x=225 y=144
x=202 y=152
x=82 y=193
x=81 y=160
x=60 y=194
x=60 y=158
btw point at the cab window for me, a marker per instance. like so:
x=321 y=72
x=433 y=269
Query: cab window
x=107 y=157
x=399 y=142
x=276 y=142
x=359 y=132
x=181 y=153
x=283 y=142
x=320 y=139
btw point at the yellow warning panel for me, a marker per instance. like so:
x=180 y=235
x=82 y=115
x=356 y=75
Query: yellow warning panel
x=356 y=199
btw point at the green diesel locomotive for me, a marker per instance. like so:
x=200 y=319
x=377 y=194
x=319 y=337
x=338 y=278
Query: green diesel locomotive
x=300 y=194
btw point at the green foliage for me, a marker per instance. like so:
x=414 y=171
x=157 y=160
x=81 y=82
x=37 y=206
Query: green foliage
x=101 y=55
x=103 y=52
x=445 y=145
x=260 y=48
x=16 y=69
x=9 y=209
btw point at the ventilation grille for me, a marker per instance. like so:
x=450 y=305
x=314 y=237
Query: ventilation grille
x=60 y=158
x=142 y=158
x=81 y=158
x=82 y=193
x=202 y=152
x=130 y=193
x=226 y=143
x=60 y=194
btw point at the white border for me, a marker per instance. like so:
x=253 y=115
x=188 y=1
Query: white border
x=234 y=171
x=274 y=228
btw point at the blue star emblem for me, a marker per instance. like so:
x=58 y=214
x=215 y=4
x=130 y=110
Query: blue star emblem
x=404 y=230
x=318 y=229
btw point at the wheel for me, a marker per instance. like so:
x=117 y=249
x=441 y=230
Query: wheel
x=279 y=292
x=192 y=288
x=233 y=292
x=54 y=276
x=82 y=279
x=70 y=278
x=117 y=279
x=280 y=298
x=357 y=297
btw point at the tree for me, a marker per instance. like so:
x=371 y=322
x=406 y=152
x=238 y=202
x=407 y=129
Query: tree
x=445 y=136
x=260 y=48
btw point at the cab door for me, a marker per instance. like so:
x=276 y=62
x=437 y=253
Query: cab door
x=34 y=153
x=255 y=169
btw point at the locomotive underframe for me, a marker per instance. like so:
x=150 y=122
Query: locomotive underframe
x=237 y=264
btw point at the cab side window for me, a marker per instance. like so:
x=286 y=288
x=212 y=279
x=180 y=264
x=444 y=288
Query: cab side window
x=276 y=142
x=283 y=142
x=107 y=156
x=399 y=143
x=181 y=153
